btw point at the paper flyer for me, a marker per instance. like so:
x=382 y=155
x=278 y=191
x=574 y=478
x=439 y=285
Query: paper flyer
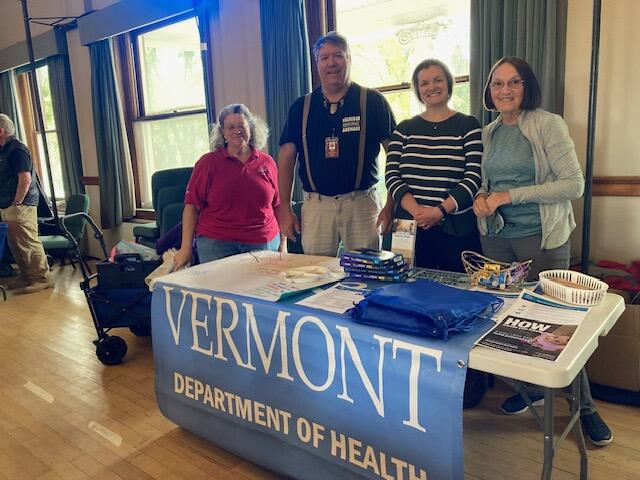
x=535 y=326
x=338 y=298
x=403 y=239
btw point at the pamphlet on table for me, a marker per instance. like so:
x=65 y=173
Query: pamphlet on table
x=403 y=239
x=509 y=297
x=261 y=274
x=536 y=326
x=338 y=298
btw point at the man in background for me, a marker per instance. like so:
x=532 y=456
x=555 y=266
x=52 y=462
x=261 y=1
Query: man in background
x=335 y=133
x=18 y=209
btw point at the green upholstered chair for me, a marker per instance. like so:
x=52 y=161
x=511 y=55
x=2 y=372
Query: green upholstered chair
x=60 y=246
x=146 y=234
x=167 y=194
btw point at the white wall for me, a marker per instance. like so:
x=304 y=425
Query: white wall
x=615 y=221
x=12 y=24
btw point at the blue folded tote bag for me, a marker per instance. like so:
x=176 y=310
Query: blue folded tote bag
x=426 y=308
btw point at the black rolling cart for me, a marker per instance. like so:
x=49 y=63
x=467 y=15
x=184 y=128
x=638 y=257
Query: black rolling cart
x=116 y=294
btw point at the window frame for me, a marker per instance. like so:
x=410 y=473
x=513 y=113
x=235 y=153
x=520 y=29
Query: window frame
x=133 y=100
x=32 y=131
x=137 y=68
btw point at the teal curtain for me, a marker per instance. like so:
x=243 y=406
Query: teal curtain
x=287 y=71
x=64 y=113
x=534 y=30
x=202 y=9
x=8 y=100
x=116 y=201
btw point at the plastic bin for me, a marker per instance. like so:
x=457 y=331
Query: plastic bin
x=128 y=271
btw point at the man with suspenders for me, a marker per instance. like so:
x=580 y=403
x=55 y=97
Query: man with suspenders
x=335 y=132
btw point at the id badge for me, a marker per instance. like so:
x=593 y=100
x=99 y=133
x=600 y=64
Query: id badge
x=331 y=147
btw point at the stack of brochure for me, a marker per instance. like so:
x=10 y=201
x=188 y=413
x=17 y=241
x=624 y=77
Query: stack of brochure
x=375 y=264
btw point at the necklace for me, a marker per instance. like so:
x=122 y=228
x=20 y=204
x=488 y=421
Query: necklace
x=332 y=106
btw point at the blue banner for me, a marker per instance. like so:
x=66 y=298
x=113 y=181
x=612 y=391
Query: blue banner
x=307 y=393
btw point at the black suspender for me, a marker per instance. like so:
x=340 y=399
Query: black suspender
x=363 y=133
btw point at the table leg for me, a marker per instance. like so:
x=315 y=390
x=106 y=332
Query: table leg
x=547 y=466
x=576 y=388
x=547 y=423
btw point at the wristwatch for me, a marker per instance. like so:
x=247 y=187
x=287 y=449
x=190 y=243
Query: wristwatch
x=443 y=210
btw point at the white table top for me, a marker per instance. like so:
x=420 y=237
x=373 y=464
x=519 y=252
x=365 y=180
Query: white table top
x=561 y=372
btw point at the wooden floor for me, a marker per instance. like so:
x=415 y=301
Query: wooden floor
x=63 y=415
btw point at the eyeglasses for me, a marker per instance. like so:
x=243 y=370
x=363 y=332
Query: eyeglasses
x=514 y=83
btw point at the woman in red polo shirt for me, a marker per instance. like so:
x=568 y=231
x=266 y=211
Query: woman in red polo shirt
x=232 y=193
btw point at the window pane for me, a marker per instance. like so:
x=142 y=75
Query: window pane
x=389 y=38
x=404 y=104
x=56 y=167
x=171 y=68
x=42 y=74
x=169 y=143
x=460 y=98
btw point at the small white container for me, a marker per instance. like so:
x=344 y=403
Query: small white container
x=588 y=290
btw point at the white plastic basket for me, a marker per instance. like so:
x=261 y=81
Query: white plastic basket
x=588 y=290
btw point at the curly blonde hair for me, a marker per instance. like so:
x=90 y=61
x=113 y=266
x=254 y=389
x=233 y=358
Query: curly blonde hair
x=258 y=129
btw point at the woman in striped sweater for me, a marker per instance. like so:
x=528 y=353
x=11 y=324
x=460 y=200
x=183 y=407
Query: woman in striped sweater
x=433 y=171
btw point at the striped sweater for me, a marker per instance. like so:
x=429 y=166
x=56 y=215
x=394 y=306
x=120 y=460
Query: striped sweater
x=436 y=160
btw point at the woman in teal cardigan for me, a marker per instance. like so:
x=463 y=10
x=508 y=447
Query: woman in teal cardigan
x=530 y=174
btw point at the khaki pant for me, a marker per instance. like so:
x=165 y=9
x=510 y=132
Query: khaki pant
x=350 y=218
x=24 y=242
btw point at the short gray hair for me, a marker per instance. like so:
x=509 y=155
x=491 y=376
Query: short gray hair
x=335 y=39
x=7 y=125
x=258 y=129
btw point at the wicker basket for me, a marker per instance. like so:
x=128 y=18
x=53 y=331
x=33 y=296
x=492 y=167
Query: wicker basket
x=475 y=265
x=573 y=287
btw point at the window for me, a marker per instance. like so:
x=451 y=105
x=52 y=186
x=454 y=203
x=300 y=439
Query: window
x=49 y=133
x=388 y=38
x=170 y=129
